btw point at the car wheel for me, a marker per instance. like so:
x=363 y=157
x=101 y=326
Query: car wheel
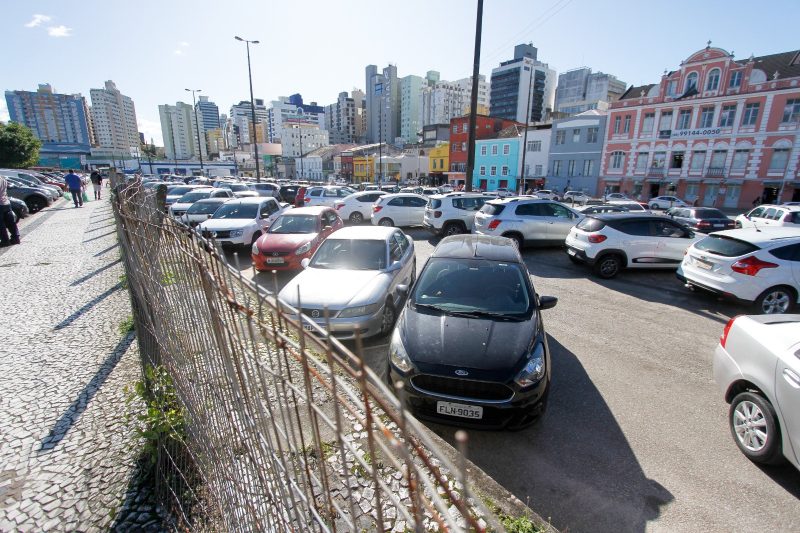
x=518 y=240
x=35 y=204
x=453 y=228
x=608 y=266
x=256 y=235
x=356 y=218
x=386 y=222
x=775 y=301
x=387 y=318
x=755 y=429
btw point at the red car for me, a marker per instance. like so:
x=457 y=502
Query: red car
x=294 y=236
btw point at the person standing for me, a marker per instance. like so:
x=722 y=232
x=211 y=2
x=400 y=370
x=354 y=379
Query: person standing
x=97 y=183
x=9 y=234
x=75 y=186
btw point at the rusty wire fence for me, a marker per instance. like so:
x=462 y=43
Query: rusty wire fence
x=277 y=428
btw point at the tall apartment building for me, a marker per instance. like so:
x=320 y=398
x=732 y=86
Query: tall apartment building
x=442 y=101
x=341 y=119
x=360 y=102
x=209 y=114
x=292 y=109
x=383 y=104
x=581 y=90
x=179 y=129
x=484 y=88
x=302 y=138
x=114 y=119
x=411 y=90
x=60 y=121
x=519 y=79
x=242 y=119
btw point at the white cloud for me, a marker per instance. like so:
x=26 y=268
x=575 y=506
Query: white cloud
x=183 y=44
x=37 y=20
x=151 y=130
x=178 y=52
x=59 y=31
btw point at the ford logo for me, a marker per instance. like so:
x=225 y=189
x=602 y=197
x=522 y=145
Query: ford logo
x=462 y=373
x=315 y=313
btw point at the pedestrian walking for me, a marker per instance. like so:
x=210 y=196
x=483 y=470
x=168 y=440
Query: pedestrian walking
x=75 y=186
x=9 y=234
x=97 y=183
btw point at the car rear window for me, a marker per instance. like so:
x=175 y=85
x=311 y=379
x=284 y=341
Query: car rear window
x=591 y=224
x=492 y=209
x=434 y=203
x=793 y=217
x=708 y=213
x=725 y=246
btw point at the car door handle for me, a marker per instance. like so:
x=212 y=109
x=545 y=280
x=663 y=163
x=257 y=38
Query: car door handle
x=791 y=378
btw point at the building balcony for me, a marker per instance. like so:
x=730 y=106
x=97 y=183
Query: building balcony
x=655 y=172
x=715 y=172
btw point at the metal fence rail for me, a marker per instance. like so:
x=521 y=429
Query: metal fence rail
x=283 y=429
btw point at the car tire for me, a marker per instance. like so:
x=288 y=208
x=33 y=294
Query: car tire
x=453 y=228
x=356 y=217
x=256 y=235
x=35 y=204
x=387 y=318
x=754 y=427
x=386 y=222
x=518 y=240
x=608 y=266
x=776 y=301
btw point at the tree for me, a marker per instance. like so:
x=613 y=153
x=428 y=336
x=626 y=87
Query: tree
x=19 y=147
x=149 y=150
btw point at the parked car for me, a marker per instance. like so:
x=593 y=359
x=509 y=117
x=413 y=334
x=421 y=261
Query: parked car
x=430 y=191
x=202 y=210
x=754 y=267
x=324 y=195
x=357 y=207
x=757 y=368
x=19 y=207
x=239 y=222
x=702 y=219
x=240 y=190
x=502 y=192
x=629 y=205
x=288 y=193
x=53 y=193
x=402 y=209
x=390 y=188
x=182 y=204
x=415 y=190
x=355 y=274
x=665 y=202
x=602 y=208
x=294 y=236
x=546 y=194
x=470 y=345
x=617 y=196
x=451 y=214
x=267 y=189
x=610 y=242
x=35 y=198
x=770 y=216
x=526 y=221
x=176 y=193
x=576 y=197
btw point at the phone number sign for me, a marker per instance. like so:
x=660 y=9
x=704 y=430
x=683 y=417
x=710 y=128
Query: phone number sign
x=702 y=132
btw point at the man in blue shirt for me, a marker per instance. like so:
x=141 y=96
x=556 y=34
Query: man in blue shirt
x=75 y=184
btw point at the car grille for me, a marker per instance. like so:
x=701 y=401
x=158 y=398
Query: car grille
x=462 y=388
x=317 y=313
x=223 y=234
x=276 y=254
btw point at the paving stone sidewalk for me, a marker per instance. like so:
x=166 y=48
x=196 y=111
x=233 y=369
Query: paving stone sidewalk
x=67 y=454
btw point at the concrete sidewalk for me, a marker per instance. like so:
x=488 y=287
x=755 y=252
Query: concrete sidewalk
x=67 y=455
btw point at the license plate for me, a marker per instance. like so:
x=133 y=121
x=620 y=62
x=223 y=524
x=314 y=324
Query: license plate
x=275 y=260
x=703 y=264
x=459 y=409
x=570 y=251
x=719 y=225
x=308 y=327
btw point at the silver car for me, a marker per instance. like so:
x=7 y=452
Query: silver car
x=355 y=273
x=526 y=221
x=757 y=367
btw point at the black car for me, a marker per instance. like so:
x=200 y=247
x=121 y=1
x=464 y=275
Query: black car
x=19 y=207
x=470 y=344
x=702 y=219
x=288 y=193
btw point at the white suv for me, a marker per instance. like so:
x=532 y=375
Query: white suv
x=610 y=242
x=240 y=222
x=454 y=213
x=576 y=197
x=357 y=207
x=326 y=195
x=770 y=216
x=526 y=221
x=546 y=194
x=748 y=265
x=399 y=210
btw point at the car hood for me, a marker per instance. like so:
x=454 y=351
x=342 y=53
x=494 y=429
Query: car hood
x=284 y=242
x=245 y=194
x=466 y=342
x=336 y=288
x=184 y=206
x=221 y=224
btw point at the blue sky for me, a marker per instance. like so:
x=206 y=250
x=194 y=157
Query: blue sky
x=154 y=50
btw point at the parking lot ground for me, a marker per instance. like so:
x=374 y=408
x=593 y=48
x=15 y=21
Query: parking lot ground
x=635 y=436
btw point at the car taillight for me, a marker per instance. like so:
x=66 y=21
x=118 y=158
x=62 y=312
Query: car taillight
x=376 y=208
x=493 y=224
x=750 y=266
x=307 y=199
x=437 y=214
x=724 y=337
x=596 y=238
x=704 y=224
x=339 y=206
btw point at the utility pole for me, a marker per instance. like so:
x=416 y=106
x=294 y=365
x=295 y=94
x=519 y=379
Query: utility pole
x=379 y=175
x=197 y=127
x=252 y=105
x=473 y=102
x=527 y=119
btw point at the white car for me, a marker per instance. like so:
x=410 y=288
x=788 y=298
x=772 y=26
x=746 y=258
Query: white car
x=611 y=242
x=201 y=210
x=357 y=207
x=665 y=202
x=757 y=368
x=617 y=196
x=770 y=216
x=325 y=195
x=401 y=209
x=454 y=213
x=241 y=221
x=240 y=190
x=430 y=191
x=502 y=192
x=183 y=203
x=176 y=192
x=546 y=194
x=577 y=197
x=748 y=265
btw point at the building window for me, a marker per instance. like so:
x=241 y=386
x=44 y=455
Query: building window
x=483 y=150
x=706 y=117
x=791 y=113
x=591 y=135
x=698 y=160
x=455 y=128
x=677 y=160
x=506 y=149
x=740 y=159
x=727 y=115
x=464 y=127
x=463 y=147
x=556 y=168
x=750 y=114
x=712 y=83
x=627 y=127
x=493 y=170
x=560 y=137
x=576 y=135
x=684 y=119
x=659 y=158
x=691 y=82
x=571 y=167
x=588 y=167
x=504 y=170
x=617 y=159
x=494 y=149
x=534 y=146
x=641 y=161
x=617 y=122
x=672 y=88
x=483 y=170
x=647 y=123
x=537 y=170
x=718 y=159
x=665 y=123
x=736 y=79
x=780 y=156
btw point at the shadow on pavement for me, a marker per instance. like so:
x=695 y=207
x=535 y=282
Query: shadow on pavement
x=88 y=305
x=100 y=236
x=105 y=250
x=575 y=466
x=93 y=274
x=784 y=475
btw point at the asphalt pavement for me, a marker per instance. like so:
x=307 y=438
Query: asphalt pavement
x=635 y=436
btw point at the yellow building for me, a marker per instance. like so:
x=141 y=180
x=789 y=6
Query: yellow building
x=363 y=169
x=439 y=159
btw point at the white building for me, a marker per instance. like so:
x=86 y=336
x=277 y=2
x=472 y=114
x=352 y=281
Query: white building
x=522 y=82
x=342 y=119
x=291 y=109
x=581 y=90
x=179 y=129
x=537 y=150
x=114 y=118
x=484 y=88
x=443 y=101
x=241 y=117
x=302 y=138
x=404 y=167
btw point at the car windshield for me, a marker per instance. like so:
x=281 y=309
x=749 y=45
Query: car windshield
x=473 y=286
x=204 y=208
x=191 y=197
x=351 y=254
x=179 y=191
x=237 y=210
x=294 y=224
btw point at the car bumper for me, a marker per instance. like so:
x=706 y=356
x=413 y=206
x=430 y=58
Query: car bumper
x=579 y=254
x=726 y=370
x=724 y=286
x=348 y=328
x=431 y=228
x=262 y=263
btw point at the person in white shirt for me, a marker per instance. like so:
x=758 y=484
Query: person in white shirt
x=9 y=234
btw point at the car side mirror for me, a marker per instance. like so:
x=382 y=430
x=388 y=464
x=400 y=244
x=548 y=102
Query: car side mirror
x=304 y=263
x=547 y=302
x=403 y=290
x=209 y=216
x=395 y=266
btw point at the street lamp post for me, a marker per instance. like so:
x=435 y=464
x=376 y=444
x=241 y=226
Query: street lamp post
x=300 y=131
x=252 y=104
x=197 y=127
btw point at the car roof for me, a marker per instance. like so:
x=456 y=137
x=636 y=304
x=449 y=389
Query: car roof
x=775 y=206
x=469 y=246
x=363 y=232
x=399 y=194
x=762 y=236
x=253 y=199
x=627 y=215
x=218 y=200
x=315 y=210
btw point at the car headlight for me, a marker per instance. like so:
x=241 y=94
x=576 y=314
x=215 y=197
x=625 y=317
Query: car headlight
x=398 y=354
x=534 y=370
x=303 y=249
x=254 y=249
x=361 y=310
x=237 y=233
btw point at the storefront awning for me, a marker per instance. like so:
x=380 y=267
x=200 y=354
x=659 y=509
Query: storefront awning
x=773 y=183
x=612 y=180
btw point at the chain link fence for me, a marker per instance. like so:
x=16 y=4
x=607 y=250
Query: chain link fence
x=265 y=425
